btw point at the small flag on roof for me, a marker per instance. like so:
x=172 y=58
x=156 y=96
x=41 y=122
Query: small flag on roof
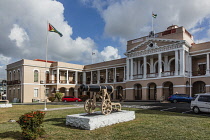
x=154 y=15
x=52 y=29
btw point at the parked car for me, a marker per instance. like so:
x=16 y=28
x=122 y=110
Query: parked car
x=179 y=98
x=201 y=103
x=71 y=99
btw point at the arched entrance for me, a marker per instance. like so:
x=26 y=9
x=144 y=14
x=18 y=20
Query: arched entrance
x=71 y=92
x=88 y=94
x=137 y=92
x=167 y=89
x=152 y=91
x=62 y=90
x=188 y=88
x=119 y=90
x=53 y=90
x=79 y=92
x=198 y=87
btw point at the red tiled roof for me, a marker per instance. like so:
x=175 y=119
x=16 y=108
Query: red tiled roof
x=44 y=60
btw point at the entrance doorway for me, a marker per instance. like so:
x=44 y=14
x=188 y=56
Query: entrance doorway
x=167 y=89
x=152 y=91
x=137 y=92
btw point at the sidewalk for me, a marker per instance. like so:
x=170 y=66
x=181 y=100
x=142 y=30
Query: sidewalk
x=52 y=109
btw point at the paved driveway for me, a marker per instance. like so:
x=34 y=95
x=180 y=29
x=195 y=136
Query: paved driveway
x=183 y=108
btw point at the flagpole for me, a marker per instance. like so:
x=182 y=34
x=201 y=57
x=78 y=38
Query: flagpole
x=152 y=22
x=92 y=56
x=45 y=104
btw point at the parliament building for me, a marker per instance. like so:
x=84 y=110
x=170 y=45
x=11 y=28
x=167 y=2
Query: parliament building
x=155 y=67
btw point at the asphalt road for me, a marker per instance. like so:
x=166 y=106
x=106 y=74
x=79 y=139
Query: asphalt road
x=183 y=108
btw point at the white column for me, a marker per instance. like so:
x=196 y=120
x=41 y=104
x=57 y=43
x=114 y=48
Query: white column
x=67 y=77
x=139 y=66
x=98 y=76
x=124 y=78
x=76 y=77
x=106 y=76
x=207 y=64
x=91 y=77
x=53 y=76
x=115 y=75
x=151 y=65
x=176 y=62
x=127 y=69
x=84 y=77
x=159 y=64
x=182 y=62
x=58 y=74
x=166 y=67
x=145 y=67
x=190 y=65
x=186 y=62
x=132 y=68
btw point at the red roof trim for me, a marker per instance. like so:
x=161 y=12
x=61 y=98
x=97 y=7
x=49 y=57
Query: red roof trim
x=44 y=60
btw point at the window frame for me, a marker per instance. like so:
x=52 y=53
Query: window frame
x=36 y=92
x=36 y=76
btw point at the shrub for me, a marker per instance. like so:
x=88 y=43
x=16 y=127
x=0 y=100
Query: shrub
x=84 y=97
x=30 y=124
x=59 y=96
x=52 y=99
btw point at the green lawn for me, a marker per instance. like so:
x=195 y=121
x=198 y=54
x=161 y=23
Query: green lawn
x=148 y=125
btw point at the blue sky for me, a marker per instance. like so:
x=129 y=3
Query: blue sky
x=87 y=22
x=99 y=26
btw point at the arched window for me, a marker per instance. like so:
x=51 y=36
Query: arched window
x=18 y=75
x=10 y=76
x=14 y=75
x=36 y=76
x=47 y=76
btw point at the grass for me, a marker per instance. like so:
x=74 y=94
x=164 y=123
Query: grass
x=148 y=125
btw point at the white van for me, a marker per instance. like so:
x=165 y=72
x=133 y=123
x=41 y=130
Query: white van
x=201 y=103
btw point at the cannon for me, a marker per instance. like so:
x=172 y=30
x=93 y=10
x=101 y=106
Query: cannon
x=102 y=92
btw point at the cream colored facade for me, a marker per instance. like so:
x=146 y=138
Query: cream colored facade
x=154 y=68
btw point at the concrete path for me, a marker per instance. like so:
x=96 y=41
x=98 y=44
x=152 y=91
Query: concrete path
x=52 y=109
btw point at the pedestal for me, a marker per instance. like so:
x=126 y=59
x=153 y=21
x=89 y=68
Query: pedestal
x=97 y=120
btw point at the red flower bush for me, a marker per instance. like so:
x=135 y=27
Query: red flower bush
x=30 y=124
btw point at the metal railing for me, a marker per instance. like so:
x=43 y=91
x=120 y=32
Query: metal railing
x=14 y=82
x=152 y=75
x=168 y=73
x=198 y=73
x=138 y=76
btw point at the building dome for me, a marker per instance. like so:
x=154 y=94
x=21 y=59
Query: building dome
x=172 y=27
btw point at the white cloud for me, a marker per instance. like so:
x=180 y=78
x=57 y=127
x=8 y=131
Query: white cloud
x=2 y=73
x=130 y=19
x=19 y=35
x=4 y=60
x=110 y=53
x=24 y=32
x=196 y=30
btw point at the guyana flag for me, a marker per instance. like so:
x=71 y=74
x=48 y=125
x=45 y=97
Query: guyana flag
x=154 y=15
x=52 y=29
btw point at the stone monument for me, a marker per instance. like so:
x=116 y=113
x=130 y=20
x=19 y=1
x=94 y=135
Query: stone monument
x=111 y=113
